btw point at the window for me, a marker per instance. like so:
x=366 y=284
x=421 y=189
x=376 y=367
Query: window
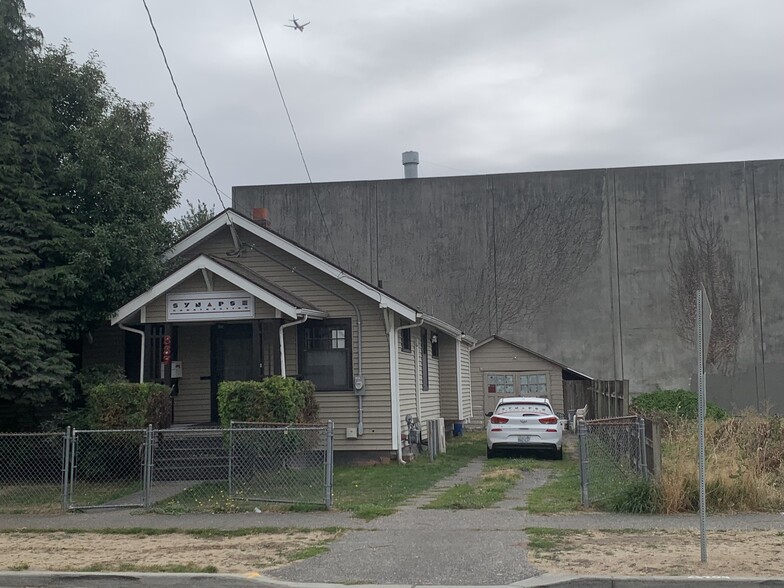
x=405 y=340
x=434 y=346
x=423 y=348
x=500 y=384
x=325 y=353
x=533 y=385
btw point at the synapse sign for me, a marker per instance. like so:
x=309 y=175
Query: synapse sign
x=209 y=306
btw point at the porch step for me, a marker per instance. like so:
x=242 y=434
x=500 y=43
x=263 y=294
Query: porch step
x=191 y=457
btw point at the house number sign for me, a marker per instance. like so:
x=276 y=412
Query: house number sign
x=209 y=306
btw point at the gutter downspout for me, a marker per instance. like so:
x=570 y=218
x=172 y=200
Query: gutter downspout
x=392 y=332
x=283 y=345
x=459 y=362
x=141 y=361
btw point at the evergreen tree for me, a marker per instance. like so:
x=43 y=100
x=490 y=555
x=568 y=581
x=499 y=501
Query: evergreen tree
x=84 y=185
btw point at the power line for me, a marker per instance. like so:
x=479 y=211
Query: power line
x=182 y=105
x=183 y=162
x=294 y=131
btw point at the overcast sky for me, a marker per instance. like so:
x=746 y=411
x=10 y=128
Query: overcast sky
x=486 y=86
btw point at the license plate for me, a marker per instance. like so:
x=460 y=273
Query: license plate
x=524 y=438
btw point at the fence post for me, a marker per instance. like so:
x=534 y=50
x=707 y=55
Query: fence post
x=330 y=466
x=643 y=445
x=66 y=464
x=582 y=437
x=147 y=477
x=74 y=446
x=231 y=459
x=432 y=439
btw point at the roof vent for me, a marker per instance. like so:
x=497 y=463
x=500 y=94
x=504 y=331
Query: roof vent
x=410 y=164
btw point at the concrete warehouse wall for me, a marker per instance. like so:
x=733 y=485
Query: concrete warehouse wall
x=594 y=268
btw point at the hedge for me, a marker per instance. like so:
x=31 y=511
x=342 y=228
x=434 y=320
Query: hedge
x=273 y=400
x=123 y=405
x=674 y=404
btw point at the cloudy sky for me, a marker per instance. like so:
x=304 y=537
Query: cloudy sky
x=476 y=87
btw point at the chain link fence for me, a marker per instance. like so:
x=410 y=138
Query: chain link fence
x=32 y=472
x=612 y=456
x=277 y=463
x=169 y=470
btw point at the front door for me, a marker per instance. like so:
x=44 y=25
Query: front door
x=232 y=358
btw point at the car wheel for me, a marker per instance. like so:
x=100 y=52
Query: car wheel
x=490 y=453
x=558 y=453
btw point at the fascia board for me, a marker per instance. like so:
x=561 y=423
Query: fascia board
x=203 y=262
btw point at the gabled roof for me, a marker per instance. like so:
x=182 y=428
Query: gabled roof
x=539 y=355
x=234 y=273
x=384 y=299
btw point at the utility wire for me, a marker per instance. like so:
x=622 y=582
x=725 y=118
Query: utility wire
x=185 y=163
x=294 y=131
x=184 y=110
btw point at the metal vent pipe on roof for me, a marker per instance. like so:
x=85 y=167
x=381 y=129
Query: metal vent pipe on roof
x=411 y=164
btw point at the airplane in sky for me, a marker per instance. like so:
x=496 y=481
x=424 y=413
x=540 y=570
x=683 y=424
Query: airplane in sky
x=296 y=25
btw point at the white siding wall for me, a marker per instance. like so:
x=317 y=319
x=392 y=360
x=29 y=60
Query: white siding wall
x=465 y=376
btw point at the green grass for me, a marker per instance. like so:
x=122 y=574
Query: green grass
x=546 y=539
x=370 y=492
x=561 y=493
x=307 y=552
x=31 y=499
x=498 y=478
x=213 y=497
x=48 y=498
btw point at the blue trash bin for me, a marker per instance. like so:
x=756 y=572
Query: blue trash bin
x=457 y=429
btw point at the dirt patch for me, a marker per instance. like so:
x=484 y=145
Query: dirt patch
x=63 y=551
x=666 y=553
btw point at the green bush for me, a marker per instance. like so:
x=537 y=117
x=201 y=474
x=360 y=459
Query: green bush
x=639 y=497
x=676 y=404
x=273 y=400
x=122 y=405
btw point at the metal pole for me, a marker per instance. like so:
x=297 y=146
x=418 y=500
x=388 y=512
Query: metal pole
x=330 y=465
x=582 y=437
x=701 y=421
x=72 y=466
x=147 y=478
x=66 y=464
x=643 y=447
x=231 y=458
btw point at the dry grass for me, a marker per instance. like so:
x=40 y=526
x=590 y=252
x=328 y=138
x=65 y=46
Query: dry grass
x=744 y=465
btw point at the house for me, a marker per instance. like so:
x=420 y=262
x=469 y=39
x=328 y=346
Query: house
x=246 y=303
x=502 y=368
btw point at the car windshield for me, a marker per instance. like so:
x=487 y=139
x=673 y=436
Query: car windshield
x=523 y=407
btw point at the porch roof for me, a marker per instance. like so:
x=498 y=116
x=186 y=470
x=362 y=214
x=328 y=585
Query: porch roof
x=234 y=273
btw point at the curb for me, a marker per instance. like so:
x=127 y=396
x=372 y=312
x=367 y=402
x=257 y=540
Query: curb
x=254 y=579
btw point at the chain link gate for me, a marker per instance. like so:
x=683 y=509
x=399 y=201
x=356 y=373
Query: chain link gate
x=612 y=455
x=107 y=468
x=281 y=463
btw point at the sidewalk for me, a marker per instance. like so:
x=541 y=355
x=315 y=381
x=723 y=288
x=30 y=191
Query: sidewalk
x=414 y=545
